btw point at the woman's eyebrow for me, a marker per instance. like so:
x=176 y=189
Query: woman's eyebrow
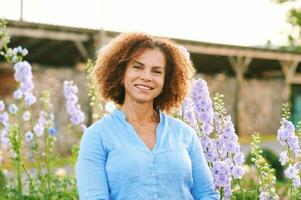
x=140 y=63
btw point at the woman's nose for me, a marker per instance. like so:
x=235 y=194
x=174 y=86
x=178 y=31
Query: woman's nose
x=146 y=75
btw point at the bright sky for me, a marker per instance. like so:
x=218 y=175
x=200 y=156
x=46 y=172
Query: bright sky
x=240 y=22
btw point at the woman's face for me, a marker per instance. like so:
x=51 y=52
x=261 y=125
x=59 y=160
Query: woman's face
x=144 y=76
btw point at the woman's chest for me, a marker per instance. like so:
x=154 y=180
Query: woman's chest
x=138 y=167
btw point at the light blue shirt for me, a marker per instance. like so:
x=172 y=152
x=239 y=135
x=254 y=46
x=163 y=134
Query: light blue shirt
x=115 y=164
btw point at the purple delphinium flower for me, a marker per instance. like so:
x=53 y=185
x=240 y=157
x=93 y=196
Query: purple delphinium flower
x=39 y=127
x=222 y=150
x=30 y=99
x=296 y=182
x=52 y=131
x=188 y=113
x=4 y=118
x=13 y=109
x=286 y=136
x=2 y=106
x=283 y=157
x=28 y=136
x=227 y=193
x=238 y=172
x=26 y=116
x=77 y=117
x=221 y=172
x=291 y=172
x=211 y=155
x=23 y=75
x=239 y=158
x=202 y=106
x=228 y=150
x=4 y=140
x=38 y=130
x=264 y=196
x=45 y=122
x=18 y=94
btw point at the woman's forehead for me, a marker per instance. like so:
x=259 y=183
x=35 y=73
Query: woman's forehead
x=150 y=55
x=142 y=50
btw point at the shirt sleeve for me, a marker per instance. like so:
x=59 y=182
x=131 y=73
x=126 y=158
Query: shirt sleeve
x=202 y=187
x=91 y=175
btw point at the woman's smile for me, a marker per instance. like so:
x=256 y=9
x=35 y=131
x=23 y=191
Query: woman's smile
x=144 y=87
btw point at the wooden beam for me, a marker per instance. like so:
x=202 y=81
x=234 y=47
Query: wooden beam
x=289 y=69
x=82 y=50
x=47 y=34
x=229 y=50
x=296 y=79
x=241 y=52
x=240 y=66
x=101 y=39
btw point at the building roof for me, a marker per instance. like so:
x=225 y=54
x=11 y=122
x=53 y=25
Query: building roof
x=66 y=46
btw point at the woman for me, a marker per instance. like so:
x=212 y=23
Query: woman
x=138 y=152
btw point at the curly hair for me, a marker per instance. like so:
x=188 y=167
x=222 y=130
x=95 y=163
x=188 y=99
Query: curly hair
x=112 y=60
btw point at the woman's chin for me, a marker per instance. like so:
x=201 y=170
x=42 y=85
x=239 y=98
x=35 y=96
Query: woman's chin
x=143 y=100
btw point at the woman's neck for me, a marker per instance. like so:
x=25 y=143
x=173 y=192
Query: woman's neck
x=141 y=113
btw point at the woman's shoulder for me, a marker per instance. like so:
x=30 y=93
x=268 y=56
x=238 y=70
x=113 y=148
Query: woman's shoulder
x=98 y=127
x=178 y=124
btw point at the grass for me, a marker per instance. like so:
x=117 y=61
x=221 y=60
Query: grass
x=56 y=163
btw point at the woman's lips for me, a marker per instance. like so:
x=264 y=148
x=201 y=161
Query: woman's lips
x=143 y=87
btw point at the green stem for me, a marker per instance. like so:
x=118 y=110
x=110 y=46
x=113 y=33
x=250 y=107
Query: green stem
x=19 y=173
x=47 y=161
x=293 y=196
x=26 y=172
x=35 y=150
x=37 y=156
x=242 y=194
x=18 y=161
x=221 y=193
x=31 y=187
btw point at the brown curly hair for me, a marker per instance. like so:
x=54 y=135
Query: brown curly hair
x=112 y=60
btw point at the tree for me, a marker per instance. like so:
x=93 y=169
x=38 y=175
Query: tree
x=294 y=18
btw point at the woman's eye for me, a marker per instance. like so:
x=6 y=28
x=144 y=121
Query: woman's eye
x=157 y=72
x=137 y=67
